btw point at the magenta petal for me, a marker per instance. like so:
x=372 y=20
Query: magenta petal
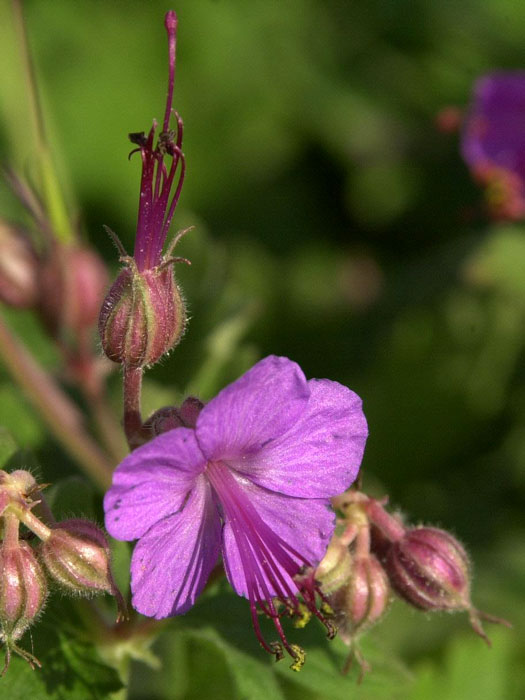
x=493 y=132
x=305 y=525
x=321 y=454
x=151 y=483
x=258 y=407
x=172 y=562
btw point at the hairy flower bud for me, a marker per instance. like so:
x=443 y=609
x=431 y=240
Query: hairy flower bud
x=76 y=555
x=23 y=589
x=23 y=592
x=142 y=317
x=430 y=570
x=72 y=284
x=18 y=268
x=364 y=599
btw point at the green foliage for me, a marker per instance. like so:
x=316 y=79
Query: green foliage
x=72 y=669
x=334 y=225
x=469 y=670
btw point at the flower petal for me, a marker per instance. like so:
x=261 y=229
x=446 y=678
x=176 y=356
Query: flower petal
x=152 y=482
x=305 y=525
x=493 y=132
x=321 y=454
x=261 y=405
x=172 y=562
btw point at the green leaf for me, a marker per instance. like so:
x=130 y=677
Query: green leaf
x=8 y=447
x=13 y=457
x=71 y=670
x=224 y=620
x=73 y=497
x=470 y=670
x=252 y=677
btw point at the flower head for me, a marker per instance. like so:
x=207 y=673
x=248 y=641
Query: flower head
x=252 y=481
x=143 y=314
x=493 y=142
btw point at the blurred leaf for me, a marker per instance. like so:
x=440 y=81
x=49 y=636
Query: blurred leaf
x=225 y=621
x=498 y=263
x=470 y=670
x=73 y=497
x=8 y=447
x=221 y=345
x=19 y=417
x=252 y=677
x=71 y=670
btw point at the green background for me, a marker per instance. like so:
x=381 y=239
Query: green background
x=335 y=225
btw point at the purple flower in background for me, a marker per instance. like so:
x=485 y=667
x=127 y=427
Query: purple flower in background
x=493 y=142
x=252 y=480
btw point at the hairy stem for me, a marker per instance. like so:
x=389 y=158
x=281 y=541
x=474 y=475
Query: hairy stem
x=132 y=414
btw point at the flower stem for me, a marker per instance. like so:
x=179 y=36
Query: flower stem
x=87 y=373
x=132 y=413
x=24 y=515
x=56 y=408
x=391 y=527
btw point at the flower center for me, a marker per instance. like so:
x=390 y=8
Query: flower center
x=272 y=568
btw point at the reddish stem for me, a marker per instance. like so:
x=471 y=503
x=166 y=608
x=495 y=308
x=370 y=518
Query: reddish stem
x=132 y=414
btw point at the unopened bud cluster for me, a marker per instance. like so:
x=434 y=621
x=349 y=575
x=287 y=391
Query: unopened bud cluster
x=63 y=282
x=374 y=553
x=73 y=554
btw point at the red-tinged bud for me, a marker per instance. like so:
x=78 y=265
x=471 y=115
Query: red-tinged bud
x=170 y=417
x=23 y=588
x=142 y=317
x=449 y=119
x=189 y=411
x=18 y=268
x=73 y=280
x=77 y=556
x=364 y=599
x=430 y=569
x=23 y=592
x=163 y=420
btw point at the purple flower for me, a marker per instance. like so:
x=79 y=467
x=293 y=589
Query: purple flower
x=251 y=480
x=493 y=141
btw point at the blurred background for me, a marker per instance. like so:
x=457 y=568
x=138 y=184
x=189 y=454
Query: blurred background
x=334 y=224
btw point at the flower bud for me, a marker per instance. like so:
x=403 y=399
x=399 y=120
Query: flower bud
x=429 y=569
x=18 y=268
x=72 y=284
x=142 y=317
x=76 y=555
x=364 y=599
x=23 y=589
x=170 y=417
